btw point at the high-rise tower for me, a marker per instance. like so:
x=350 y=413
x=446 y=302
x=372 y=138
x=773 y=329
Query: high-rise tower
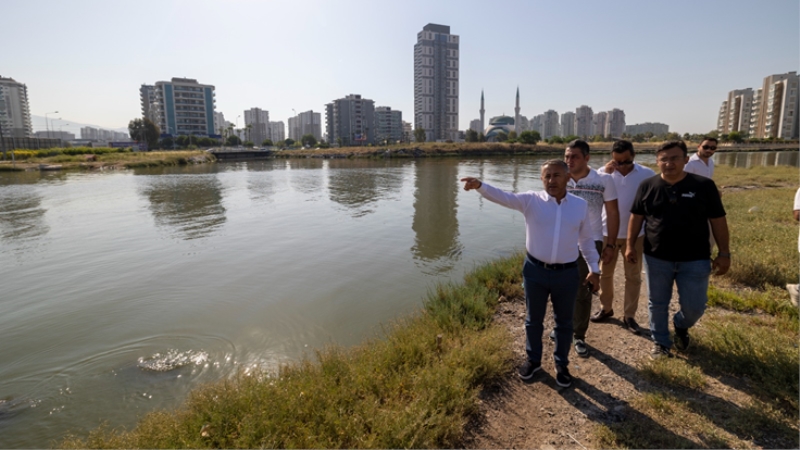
x=483 y=124
x=436 y=82
x=516 y=114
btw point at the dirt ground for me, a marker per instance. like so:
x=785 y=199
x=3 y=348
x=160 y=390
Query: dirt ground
x=540 y=414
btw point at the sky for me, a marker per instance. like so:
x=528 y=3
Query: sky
x=660 y=61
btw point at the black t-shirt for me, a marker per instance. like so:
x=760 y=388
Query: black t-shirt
x=676 y=216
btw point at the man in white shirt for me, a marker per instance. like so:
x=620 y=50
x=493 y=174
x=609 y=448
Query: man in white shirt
x=556 y=229
x=600 y=193
x=793 y=288
x=626 y=175
x=701 y=162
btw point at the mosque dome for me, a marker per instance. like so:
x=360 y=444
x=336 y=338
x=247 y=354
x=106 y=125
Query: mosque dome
x=501 y=120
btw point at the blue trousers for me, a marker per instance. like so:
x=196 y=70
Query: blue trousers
x=561 y=287
x=692 y=280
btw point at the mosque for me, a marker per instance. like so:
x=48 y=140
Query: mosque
x=500 y=124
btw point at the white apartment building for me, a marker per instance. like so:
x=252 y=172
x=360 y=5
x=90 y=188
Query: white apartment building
x=599 y=123
x=408 y=132
x=537 y=124
x=388 y=124
x=475 y=125
x=736 y=111
x=778 y=108
x=256 y=123
x=277 y=132
x=615 y=123
x=550 y=124
x=219 y=123
x=436 y=77
x=53 y=134
x=304 y=123
x=568 y=124
x=15 y=113
x=583 y=121
x=181 y=106
x=754 y=112
x=648 y=127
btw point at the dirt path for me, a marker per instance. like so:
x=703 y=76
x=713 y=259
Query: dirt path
x=540 y=414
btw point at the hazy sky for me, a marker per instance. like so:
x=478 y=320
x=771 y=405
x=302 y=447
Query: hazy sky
x=661 y=61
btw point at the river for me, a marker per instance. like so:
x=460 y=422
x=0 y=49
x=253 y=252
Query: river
x=124 y=290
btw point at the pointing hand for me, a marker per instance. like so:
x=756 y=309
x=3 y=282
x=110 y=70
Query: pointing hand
x=471 y=183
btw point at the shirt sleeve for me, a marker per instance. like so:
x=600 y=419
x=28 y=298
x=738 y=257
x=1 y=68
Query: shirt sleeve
x=610 y=191
x=587 y=246
x=797 y=200
x=715 y=208
x=508 y=199
x=638 y=201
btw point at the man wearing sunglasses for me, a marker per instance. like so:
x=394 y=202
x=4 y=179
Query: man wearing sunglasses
x=627 y=176
x=676 y=207
x=701 y=162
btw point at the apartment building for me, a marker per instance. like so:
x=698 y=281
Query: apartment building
x=583 y=121
x=388 y=124
x=778 y=107
x=648 y=127
x=615 y=123
x=550 y=124
x=351 y=120
x=256 y=123
x=304 y=123
x=736 y=111
x=15 y=113
x=181 y=106
x=436 y=78
x=277 y=132
x=475 y=125
x=568 y=124
x=599 y=123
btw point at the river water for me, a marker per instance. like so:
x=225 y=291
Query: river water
x=121 y=291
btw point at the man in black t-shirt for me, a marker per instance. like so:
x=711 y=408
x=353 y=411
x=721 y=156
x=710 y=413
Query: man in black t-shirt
x=676 y=208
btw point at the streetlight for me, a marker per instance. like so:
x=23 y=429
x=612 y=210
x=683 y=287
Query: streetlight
x=47 y=124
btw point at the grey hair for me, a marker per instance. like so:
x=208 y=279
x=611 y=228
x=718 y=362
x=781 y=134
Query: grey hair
x=555 y=162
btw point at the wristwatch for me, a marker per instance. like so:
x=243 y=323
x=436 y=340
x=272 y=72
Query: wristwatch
x=611 y=246
x=723 y=254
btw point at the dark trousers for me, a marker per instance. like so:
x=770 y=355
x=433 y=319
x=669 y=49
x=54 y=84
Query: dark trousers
x=583 y=299
x=561 y=287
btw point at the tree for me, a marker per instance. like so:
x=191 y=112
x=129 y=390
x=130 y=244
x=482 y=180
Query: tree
x=248 y=144
x=512 y=135
x=471 y=136
x=570 y=138
x=324 y=144
x=339 y=141
x=309 y=140
x=419 y=135
x=288 y=142
x=144 y=130
x=555 y=140
x=233 y=140
x=481 y=138
x=267 y=143
x=735 y=136
x=501 y=136
x=530 y=137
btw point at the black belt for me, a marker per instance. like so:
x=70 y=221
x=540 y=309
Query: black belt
x=552 y=266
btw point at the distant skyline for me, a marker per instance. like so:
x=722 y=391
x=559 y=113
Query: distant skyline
x=661 y=61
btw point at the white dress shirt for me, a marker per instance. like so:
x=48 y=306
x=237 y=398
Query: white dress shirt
x=596 y=188
x=797 y=207
x=698 y=167
x=627 y=185
x=553 y=231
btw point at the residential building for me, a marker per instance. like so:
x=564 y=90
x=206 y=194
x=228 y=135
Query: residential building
x=408 y=132
x=304 y=123
x=648 y=127
x=277 y=132
x=147 y=96
x=100 y=135
x=351 y=120
x=475 y=125
x=778 y=107
x=736 y=111
x=219 y=122
x=615 y=123
x=436 y=75
x=568 y=124
x=537 y=124
x=15 y=113
x=583 y=121
x=755 y=112
x=599 y=123
x=549 y=124
x=256 y=124
x=53 y=134
x=184 y=107
x=523 y=124
x=388 y=125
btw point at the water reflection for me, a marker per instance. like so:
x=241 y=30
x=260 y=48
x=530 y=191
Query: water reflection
x=187 y=206
x=435 y=221
x=260 y=179
x=303 y=179
x=22 y=216
x=357 y=185
x=753 y=159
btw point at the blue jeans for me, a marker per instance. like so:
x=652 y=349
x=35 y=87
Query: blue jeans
x=561 y=286
x=692 y=280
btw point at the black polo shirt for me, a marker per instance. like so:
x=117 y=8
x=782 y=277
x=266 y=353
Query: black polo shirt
x=676 y=216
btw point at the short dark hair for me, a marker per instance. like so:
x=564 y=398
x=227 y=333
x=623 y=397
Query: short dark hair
x=581 y=145
x=622 y=146
x=556 y=162
x=710 y=138
x=672 y=144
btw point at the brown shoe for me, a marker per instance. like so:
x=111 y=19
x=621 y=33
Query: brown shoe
x=631 y=325
x=601 y=315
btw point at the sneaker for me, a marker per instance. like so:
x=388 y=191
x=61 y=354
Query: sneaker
x=601 y=315
x=659 y=351
x=681 y=338
x=528 y=369
x=581 y=349
x=553 y=335
x=631 y=325
x=563 y=378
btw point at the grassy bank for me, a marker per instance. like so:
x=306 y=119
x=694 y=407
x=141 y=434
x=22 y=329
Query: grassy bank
x=417 y=385
x=86 y=158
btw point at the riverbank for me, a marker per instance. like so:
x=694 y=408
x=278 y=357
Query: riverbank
x=107 y=160
x=445 y=377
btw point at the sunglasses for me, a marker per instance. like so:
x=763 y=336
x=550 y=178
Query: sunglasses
x=624 y=163
x=709 y=147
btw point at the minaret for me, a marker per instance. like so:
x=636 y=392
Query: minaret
x=483 y=125
x=516 y=114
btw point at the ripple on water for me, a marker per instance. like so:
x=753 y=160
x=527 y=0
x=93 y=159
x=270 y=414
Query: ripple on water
x=173 y=359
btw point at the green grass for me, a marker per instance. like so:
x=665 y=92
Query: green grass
x=772 y=300
x=415 y=387
x=674 y=372
x=764 y=176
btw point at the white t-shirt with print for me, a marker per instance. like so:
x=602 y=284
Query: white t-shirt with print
x=596 y=188
x=627 y=186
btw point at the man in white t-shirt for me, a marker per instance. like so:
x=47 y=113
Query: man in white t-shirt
x=600 y=193
x=701 y=162
x=626 y=175
x=793 y=288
